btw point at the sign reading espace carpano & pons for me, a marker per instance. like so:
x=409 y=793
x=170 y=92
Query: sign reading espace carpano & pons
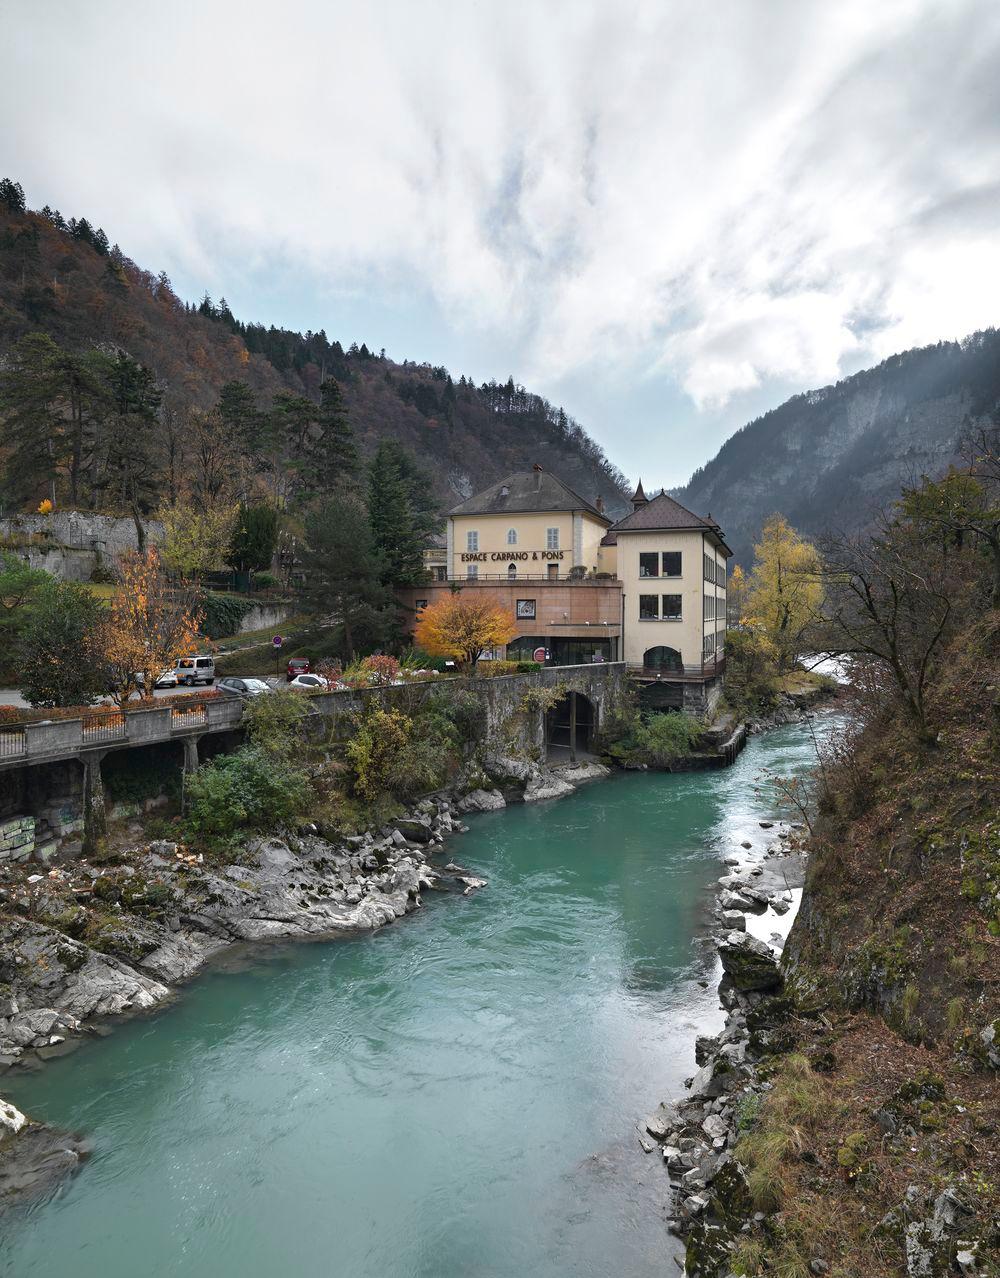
x=504 y=556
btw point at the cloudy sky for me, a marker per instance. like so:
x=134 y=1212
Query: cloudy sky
x=666 y=216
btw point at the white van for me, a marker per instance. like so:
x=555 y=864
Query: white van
x=192 y=670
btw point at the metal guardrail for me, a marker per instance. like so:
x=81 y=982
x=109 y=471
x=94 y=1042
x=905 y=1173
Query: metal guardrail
x=704 y=670
x=11 y=743
x=96 y=728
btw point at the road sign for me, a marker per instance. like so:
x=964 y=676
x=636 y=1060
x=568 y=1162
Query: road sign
x=538 y=655
x=277 y=641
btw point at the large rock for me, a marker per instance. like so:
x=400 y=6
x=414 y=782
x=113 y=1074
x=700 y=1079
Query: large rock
x=11 y=1120
x=749 y=963
x=483 y=801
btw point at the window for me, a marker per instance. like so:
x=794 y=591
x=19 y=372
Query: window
x=671 y=607
x=511 y=536
x=552 y=539
x=472 y=571
x=648 y=608
x=526 y=610
x=720 y=574
x=441 y=574
x=708 y=647
x=512 y=570
x=472 y=541
x=709 y=567
x=419 y=603
x=553 y=571
x=649 y=564
x=671 y=563
x=709 y=613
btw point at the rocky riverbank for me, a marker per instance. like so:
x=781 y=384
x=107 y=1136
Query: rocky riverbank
x=82 y=943
x=696 y=1134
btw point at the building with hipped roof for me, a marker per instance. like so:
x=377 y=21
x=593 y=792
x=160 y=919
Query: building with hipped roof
x=649 y=589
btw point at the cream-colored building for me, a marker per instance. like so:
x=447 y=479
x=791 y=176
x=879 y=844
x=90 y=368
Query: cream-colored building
x=529 y=525
x=671 y=564
x=649 y=590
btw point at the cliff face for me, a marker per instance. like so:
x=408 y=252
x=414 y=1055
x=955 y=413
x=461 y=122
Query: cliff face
x=829 y=458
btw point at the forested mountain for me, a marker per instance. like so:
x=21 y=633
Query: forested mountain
x=63 y=278
x=828 y=458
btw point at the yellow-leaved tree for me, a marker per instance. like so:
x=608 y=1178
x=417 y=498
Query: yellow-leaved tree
x=464 y=627
x=147 y=628
x=784 y=592
x=196 y=537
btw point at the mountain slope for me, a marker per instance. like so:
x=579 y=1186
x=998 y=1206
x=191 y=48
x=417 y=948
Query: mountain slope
x=64 y=279
x=828 y=458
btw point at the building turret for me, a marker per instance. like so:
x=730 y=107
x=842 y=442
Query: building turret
x=639 y=498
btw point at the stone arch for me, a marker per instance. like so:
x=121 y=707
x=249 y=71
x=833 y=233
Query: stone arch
x=571 y=725
x=662 y=658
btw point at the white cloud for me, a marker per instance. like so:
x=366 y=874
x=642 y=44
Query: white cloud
x=728 y=194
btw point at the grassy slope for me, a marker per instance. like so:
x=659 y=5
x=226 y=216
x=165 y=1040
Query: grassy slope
x=895 y=962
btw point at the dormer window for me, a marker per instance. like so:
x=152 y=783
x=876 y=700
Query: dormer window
x=511 y=536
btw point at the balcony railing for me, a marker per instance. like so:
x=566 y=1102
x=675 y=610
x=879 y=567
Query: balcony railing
x=588 y=580
x=707 y=669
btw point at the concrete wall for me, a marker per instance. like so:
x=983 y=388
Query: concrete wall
x=265 y=616
x=70 y=544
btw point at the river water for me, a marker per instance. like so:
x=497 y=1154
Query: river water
x=455 y=1095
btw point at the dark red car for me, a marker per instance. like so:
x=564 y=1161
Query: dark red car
x=297 y=666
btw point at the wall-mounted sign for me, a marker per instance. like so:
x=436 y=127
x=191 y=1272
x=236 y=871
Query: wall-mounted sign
x=538 y=655
x=505 y=556
x=526 y=610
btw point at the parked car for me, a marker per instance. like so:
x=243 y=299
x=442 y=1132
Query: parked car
x=247 y=688
x=165 y=679
x=192 y=670
x=311 y=682
x=297 y=666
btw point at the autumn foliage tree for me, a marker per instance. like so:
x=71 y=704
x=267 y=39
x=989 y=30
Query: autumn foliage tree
x=463 y=627
x=147 y=629
x=785 y=589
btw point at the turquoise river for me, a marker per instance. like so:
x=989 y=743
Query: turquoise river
x=453 y=1096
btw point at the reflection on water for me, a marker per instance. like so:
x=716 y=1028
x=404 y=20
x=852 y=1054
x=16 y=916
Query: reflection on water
x=455 y=1095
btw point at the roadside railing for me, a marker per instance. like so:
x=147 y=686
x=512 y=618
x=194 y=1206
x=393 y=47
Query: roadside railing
x=12 y=743
x=64 y=738
x=96 y=728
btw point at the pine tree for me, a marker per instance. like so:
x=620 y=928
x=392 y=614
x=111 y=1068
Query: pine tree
x=12 y=196
x=131 y=454
x=340 y=451
x=33 y=426
x=344 y=574
x=402 y=514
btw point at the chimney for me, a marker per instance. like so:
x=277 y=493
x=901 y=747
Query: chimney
x=599 y=504
x=538 y=476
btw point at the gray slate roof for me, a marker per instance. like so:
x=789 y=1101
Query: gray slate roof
x=527 y=492
x=659 y=514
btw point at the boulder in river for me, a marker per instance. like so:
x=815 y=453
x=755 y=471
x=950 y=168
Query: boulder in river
x=749 y=963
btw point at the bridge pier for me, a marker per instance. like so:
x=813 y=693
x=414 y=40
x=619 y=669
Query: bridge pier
x=95 y=816
x=191 y=759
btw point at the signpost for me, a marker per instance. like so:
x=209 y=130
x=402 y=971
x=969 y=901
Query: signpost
x=277 y=641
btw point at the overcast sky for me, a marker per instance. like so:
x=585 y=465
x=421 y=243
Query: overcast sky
x=666 y=216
